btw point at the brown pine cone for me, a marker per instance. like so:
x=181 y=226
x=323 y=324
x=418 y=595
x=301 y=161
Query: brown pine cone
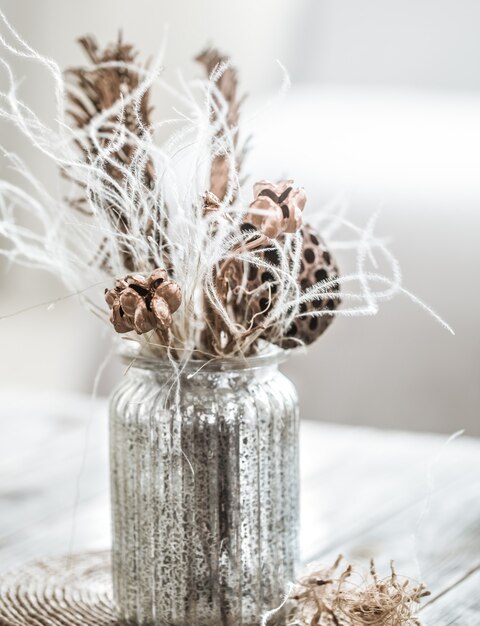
x=143 y=304
x=317 y=266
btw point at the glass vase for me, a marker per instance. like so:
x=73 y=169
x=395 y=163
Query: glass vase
x=204 y=483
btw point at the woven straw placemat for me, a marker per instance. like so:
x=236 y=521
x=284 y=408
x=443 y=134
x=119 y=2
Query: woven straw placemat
x=62 y=591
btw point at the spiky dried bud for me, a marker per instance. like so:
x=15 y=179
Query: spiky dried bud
x=143 y=303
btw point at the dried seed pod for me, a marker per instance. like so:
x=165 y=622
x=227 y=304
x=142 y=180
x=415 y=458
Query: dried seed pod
x=143 y=303
x=277 y=208
x=317 y=266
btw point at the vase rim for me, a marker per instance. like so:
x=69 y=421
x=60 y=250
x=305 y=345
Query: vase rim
x=269 y=355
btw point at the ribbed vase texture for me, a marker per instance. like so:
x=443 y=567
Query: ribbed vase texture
x=204 y=493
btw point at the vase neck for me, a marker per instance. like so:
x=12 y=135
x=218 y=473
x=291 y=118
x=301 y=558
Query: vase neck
x=268 y=359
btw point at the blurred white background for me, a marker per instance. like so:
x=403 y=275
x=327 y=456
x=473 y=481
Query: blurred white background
x=385 y=109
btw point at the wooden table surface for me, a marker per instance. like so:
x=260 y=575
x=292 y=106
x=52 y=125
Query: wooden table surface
x=365 y=493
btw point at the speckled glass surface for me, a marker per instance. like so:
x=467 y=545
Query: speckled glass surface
x=204 y=492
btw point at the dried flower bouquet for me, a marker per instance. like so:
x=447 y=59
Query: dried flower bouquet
x=257 y=284
x=192 y=264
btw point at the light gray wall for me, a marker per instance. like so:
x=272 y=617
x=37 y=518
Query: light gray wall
x=254 y=32
x=427 y=44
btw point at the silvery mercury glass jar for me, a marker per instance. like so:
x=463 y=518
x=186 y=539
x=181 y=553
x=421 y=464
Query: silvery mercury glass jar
x=204 y=479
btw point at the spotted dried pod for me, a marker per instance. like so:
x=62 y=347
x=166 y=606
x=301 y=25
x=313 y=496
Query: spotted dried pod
x=142 y=303
x=277 y=208
x=259 y=289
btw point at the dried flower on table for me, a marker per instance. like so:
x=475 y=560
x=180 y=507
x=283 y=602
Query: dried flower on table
x=351 y=598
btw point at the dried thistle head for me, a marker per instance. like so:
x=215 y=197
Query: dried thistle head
x=224 y=158
x=351 y=598
x=226 y=82
x=99 y=88
x=110 y=107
